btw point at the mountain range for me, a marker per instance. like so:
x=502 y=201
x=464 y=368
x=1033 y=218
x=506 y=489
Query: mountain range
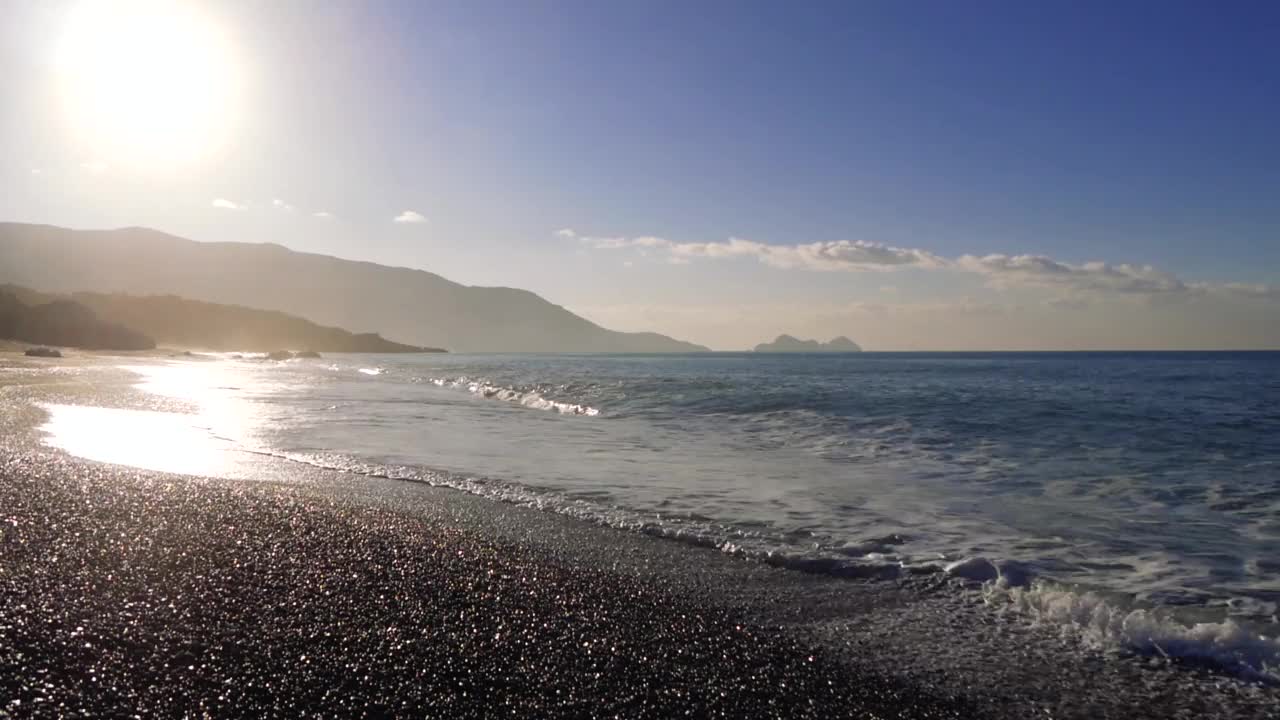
x=179 y=322
x=412 y=306
x=66 y=323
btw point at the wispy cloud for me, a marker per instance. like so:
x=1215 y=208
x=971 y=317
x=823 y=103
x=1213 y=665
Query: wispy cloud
x=324 y=215
x=1000 y=271
x=1045 y=271
x=279 y=204
x=830 y=256
x=1246 y=290
x=225 y=204
x=409 y=216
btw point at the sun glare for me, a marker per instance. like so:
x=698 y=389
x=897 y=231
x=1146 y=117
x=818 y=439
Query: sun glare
x=146 y=82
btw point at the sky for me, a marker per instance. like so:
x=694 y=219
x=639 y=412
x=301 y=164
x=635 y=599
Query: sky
x=916 y=176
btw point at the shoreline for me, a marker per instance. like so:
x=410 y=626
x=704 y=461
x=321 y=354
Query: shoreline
x=136 y=592
x=243 y=562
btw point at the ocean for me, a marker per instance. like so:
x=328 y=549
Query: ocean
x=1087 y=488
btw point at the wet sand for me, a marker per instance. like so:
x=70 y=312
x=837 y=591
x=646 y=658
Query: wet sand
x=307 y=593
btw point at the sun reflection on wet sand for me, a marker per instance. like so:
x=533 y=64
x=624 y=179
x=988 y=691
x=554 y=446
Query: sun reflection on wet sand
x=163 y=441
x=202 y=419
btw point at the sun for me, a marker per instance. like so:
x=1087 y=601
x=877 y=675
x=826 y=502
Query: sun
x=148 y=83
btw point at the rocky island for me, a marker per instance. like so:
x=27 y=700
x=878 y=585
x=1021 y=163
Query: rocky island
x=789 y=344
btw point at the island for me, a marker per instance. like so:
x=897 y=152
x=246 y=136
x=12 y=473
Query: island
x=789 y=344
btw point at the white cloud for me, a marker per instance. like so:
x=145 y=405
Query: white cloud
x=225 y=204
x=281 y=205
x=1068 y=280
x=1042 y=271
x=409 y=216
x=1248 y=290
x=324 y=215
x=838 y=255
x=97 y=167
x=36 y=171
x=847 y=255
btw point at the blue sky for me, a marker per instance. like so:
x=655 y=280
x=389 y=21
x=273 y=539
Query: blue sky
x=1129 y=134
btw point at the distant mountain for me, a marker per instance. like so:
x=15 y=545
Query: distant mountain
x=190 y=323
x=786 y=343
x=410 y=305
x=65 y=323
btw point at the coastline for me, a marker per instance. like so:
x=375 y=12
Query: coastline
x=307 y=589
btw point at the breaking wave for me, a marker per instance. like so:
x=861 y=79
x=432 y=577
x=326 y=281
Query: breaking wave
x=1110 y=623
x=528 y=398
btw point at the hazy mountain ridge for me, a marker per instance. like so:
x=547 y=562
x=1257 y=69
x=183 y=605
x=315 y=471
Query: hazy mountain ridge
x=411 y=305
x=64 y=323
x=787 y=343
x=209 y=326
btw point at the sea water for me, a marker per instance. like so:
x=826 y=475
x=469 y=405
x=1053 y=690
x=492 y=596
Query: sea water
x=1130 y=480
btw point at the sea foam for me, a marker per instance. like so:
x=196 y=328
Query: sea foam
x=527 y=398
x=1106 y=623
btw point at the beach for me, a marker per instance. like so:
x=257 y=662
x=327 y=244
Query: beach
x=286 y=590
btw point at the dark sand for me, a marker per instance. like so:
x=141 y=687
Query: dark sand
x=128 y=593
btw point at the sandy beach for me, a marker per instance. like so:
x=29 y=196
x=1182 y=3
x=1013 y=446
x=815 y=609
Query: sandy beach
x=305 y=592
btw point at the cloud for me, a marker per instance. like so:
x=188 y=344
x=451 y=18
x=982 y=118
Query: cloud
x=97 y=167
x=1077 y=282
x=36 y=171
x=409 y=216
x=1039 y=270
x=281 y=205
x=1245 y=290
x=225 y=204
x=324 y=215
x=830 y=256
x=856 y=255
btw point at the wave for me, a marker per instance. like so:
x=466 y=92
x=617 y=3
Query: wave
x=527 y=398
x=1107 y=623
x=1112 y=622
x=872 y=558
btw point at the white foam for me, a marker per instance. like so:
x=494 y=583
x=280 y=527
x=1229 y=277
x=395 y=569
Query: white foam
x=1107 y=624
x=530 y=399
